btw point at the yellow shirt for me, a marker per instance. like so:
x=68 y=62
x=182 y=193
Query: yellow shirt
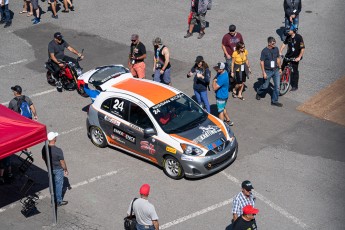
x=240 y=58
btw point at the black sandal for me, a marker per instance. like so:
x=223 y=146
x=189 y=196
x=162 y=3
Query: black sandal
x=65 y=11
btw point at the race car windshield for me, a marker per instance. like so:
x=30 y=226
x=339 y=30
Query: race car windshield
x=178 y=114
x=105 y=73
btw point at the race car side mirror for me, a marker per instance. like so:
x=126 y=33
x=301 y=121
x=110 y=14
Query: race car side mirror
x=148 y=132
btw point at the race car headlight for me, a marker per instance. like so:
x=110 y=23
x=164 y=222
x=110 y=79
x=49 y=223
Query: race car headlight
x=191 y=150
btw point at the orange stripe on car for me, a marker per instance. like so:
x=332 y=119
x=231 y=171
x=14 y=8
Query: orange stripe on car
x=113 y=142
x=145 y=89
x=218 y=123
x=187 y=140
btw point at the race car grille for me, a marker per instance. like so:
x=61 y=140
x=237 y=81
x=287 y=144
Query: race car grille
x=218 y=149
x=219 y=161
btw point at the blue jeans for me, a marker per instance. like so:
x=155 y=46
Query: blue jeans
x=295 y=21
x=201 y=97
x=5 y=13
x=58 y=182
x=162 y=78
x=143 y=227
x=276 y=81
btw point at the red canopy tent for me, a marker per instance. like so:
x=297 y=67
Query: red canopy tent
x=18 y=132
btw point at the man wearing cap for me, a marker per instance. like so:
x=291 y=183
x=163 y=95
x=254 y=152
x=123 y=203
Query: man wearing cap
x=247 y=220
x=58 y=164
x=220 y=85
x=244 y=198
x=295 y=50
x=18 y=99
x=136 y=58
x=144 y=211
x=229 y=42
x=161 y=62
x=271 y=68
x=56 y=52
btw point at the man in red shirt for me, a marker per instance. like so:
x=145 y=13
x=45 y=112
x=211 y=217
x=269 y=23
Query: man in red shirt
x=229 y=45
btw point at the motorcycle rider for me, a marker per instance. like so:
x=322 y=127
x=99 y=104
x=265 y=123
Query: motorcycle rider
x=56 y=54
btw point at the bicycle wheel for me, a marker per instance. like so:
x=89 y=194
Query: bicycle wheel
x=284 y=82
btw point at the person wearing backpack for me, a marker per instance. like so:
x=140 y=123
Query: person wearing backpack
x=22 y=104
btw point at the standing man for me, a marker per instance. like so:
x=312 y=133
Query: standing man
x=229 y=45
x=5 y=13
x=136 y=58
x=220 y=85
x=161 y=62
x=53 y=8
x=199 y=9
x=144 y=211
x=58 y=164
x=37 y=13
x=292 y=8
x=247 y=220
x=295 y=50
x=242 y=199
x=271 y=68
x=22 y=104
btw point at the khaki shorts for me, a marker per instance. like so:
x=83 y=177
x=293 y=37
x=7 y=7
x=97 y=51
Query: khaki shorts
x=138 y=69
x=199 y=17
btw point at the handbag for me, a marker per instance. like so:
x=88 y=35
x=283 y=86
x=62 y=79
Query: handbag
x=130 y=221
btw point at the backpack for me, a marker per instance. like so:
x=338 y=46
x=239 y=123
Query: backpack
x=23 y=107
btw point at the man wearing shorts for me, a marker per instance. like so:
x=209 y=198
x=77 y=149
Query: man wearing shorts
x=136 y=58
x=221 y=86
x=53 y=7
x=36 y=8
x=199 y=9
x=161 y=62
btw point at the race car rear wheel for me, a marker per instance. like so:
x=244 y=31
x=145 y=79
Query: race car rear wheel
x=97 y=137
x=172 y=168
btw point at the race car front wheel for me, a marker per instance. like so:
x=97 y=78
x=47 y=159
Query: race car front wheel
x=172 y=168
x=97 y=137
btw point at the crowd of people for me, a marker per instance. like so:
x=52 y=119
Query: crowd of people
x=230 y=77
x=31 y=8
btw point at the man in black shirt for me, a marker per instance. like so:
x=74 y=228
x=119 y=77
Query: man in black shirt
x=247 y=220
x=292 y=8
x=295 y=49
x=161 y=62
x=136 y=58
x=56 y=54
x=271 y=68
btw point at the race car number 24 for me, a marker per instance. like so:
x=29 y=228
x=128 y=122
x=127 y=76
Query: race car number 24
x=118 y=105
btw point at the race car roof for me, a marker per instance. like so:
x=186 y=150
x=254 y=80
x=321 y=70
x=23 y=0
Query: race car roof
x=148 y=91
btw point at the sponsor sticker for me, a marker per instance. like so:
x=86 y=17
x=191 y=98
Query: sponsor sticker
x=174 y=98
x=170 y=149
x=184 y=158
x=145 y=145
x=136 y=127
x=123 y=134
x=207 y=132
x=112 y=120
x=117 y=139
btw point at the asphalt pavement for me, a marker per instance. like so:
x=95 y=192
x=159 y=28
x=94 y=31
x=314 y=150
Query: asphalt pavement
x=295 y=161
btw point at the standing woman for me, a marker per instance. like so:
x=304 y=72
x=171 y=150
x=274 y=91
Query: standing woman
x=201 y=74
x=240 y=69
x=27 y=4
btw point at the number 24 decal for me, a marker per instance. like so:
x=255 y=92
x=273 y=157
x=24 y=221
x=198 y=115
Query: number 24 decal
x=118 y=105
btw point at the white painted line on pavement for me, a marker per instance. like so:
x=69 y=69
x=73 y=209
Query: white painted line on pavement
x=13 y=63
x=270 y=203
x=195 y=214
x=72 y=130
x=34 y=95
x=91 y=180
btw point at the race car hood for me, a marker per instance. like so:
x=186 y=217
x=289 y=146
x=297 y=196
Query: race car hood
x=204 y=135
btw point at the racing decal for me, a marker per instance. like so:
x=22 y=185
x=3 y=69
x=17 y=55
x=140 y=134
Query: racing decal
x=207 y=132
x=185 y=158
x=218 y=123
x=145 y=145
x=124 y=135
x=155 y=108
x=112 y=120
x=187 y=140
x=170 y=149
x=118 y=105
x=136 y=127
x=117 y=139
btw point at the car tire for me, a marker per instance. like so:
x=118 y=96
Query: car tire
x=97 y=137
x=173 y=168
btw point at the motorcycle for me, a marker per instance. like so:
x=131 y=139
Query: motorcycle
x=67 y=78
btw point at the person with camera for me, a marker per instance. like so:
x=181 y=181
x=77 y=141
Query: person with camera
x=136 y=58
x=56 y=53
x=202 y=76
x=292 y=8
x=161 y=62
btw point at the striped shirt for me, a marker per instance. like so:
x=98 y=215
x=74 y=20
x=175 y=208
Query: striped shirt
x=240 y=201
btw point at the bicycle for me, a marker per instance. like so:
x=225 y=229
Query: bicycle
x=285 y=77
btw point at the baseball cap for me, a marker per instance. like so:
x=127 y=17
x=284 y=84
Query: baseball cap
x=248 y=209
x=199 y=59
x=17 y=89
x=52 y=135
x=220 y=65
x=134 y=36
x=247 y=185
x=232 y=28
x=157 y=40
x=58 y=35
x=145 y=189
